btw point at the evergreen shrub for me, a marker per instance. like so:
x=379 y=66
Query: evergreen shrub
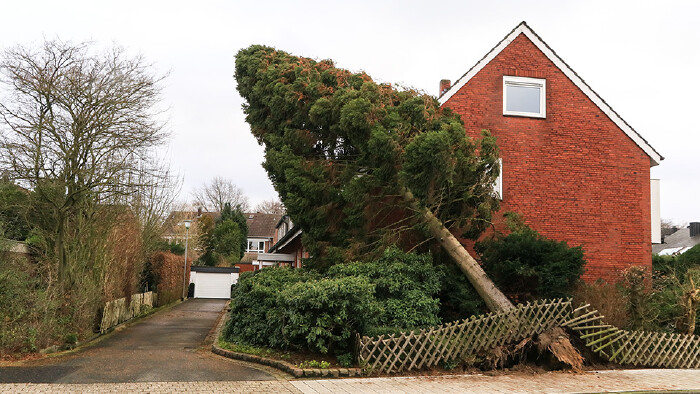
x=675 y=266
x=673 y=276
x=458 y=298
x=405 y=286
x=302 y=309
x=527 y=266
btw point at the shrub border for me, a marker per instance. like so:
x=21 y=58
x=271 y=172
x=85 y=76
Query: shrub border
x=279 y=364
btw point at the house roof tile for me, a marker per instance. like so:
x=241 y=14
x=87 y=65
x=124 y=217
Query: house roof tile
x=261 y=224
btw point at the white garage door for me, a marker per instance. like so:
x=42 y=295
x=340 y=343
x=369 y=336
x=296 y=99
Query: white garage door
x=212 y=285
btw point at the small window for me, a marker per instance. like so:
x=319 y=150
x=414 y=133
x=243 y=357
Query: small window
x=524 y=96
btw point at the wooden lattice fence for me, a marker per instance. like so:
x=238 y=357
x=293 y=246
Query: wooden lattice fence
x=462 y=340
x=639 y=348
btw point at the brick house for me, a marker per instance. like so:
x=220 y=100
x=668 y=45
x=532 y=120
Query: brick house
x=287 y=249
x=261 y=232
x=573 y=168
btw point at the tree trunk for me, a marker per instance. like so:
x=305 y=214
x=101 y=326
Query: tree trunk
x=494 y=298
x=63 y=274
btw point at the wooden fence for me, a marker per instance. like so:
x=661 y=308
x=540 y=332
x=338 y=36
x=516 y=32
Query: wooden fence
x=463 y=340
x=117 y=311
x=639 y=348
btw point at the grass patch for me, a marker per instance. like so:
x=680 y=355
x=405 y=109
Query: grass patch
x=300 y=358
x=247 y=349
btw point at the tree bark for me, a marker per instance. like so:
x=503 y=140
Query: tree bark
x=494 y=298
x=61 y=250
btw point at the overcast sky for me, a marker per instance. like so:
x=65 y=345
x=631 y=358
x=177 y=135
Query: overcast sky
x=641 y=57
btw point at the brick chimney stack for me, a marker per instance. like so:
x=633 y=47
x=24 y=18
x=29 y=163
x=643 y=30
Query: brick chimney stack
x=444 y=86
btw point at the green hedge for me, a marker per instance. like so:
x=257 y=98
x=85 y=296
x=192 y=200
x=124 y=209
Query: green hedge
x=301 y=309
x=527 y=265
x=405 y=286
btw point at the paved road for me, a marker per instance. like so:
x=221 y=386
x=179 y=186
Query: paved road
x=164 y=347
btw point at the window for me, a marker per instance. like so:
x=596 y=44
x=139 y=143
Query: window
x=524 y=96
x=255 y=246
x=498 y=184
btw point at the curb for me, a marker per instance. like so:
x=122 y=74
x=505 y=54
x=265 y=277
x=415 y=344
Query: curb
x=279 y=364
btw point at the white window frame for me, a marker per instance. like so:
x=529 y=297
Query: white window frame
x=526 y=82
x=498 y=183
x=256 y=242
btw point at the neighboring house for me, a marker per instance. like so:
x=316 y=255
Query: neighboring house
x=570 y=164
x=261 y=231
x=679 y=242
x=174 y=226
x=287 y=249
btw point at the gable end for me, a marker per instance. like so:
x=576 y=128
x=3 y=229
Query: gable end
x=523 y=28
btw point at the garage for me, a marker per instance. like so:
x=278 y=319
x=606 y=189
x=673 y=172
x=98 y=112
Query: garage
x=213 y=282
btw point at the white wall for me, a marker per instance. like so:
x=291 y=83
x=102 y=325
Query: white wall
x=655 y=211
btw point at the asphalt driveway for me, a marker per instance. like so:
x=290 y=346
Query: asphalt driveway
x=164 y=347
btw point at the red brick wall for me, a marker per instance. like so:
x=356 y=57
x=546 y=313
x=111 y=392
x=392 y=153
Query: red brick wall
x=245 y=267
x=575 y=176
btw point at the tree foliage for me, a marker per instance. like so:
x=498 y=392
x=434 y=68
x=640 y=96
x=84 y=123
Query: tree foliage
x=14 y=211
x=223 y=240
x=235 y=215
x=78 y=128
x=342 y=151
x=675 y=299
x=227 y=241
x=77 y=125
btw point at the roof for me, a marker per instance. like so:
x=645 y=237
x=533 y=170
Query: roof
x=676 y=243
x=214 y=269
x=293 y=233
x=261 y=224
x=523 y=28
x=175 y=218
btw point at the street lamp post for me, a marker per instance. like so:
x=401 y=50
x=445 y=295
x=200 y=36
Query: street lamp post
x=184 y=269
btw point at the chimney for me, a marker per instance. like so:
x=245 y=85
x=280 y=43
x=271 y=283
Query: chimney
x=199 y=211
x=694 y=228
x=444 y=86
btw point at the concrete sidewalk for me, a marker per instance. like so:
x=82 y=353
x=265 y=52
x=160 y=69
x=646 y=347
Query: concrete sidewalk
x=553 y=382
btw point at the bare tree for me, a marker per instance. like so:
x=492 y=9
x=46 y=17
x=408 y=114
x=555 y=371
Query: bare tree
x=271 y=206
x=152 y=197
x=669 y=226
x=75 y=124
x=214 y=195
